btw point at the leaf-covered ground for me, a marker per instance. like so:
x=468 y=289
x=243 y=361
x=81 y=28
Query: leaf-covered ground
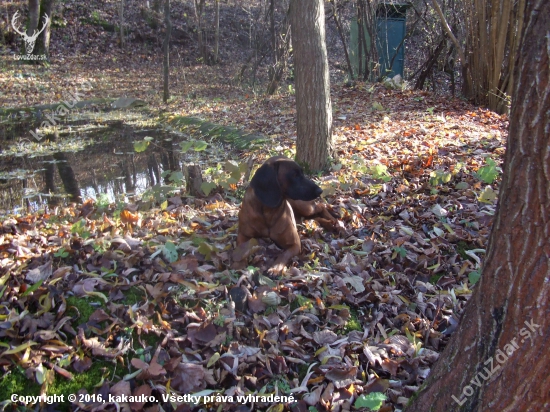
x=106 y=301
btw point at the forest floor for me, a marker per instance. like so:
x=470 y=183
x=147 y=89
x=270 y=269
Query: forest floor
x=115 y=300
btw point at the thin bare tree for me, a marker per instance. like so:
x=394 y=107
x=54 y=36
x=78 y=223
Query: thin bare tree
x=488 y=55
x=216 y=29
x=166 y=47
x=121 y=18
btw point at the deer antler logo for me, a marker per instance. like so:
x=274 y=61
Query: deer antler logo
x=29 y=40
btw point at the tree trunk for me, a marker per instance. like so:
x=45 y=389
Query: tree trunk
x=43 y=41
x=49 y=176
x=428 y=65
x=121 y=17
x=154 y=170
x=199 y=7
x=217 y=30
x=367 y=49
x=313 y=107
x=360 y=40
x=166 y=60
x=508 y=312
x=272 y=29
x=193 y=180
x=34 y=13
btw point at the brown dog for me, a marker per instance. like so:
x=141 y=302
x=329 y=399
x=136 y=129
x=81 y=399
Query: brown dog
x=278 y=192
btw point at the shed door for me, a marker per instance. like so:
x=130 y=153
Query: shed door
x=391 y=33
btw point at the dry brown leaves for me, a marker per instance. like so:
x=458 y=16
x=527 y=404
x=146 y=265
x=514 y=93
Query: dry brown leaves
x=364 y=311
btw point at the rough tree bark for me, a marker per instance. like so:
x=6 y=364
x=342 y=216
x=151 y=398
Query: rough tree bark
x=313 y=106
x=497 y=359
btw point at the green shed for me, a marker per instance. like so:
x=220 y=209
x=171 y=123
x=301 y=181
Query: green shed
x=391 y=30
x=390 y=44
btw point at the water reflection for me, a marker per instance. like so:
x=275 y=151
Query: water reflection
x=106 y=164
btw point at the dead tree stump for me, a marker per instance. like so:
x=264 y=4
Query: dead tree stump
x=193 y=180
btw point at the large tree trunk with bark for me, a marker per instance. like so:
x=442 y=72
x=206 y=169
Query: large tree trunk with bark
x=497 y=360
x=313 y=107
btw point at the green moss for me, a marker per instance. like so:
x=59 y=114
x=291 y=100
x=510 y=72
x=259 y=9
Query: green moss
x=133 y=296
x=435 y=278
x=149 y=339
x=353 y=323
x=16 y=382
x=415 y=395
x=462 y=247
x=281 y=382
x=300 y=302
x=302 y=370
x=86 y=380
x=83 y=308
x=98 y=21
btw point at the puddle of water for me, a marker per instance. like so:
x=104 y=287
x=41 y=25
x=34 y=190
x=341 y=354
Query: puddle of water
x=93 y=156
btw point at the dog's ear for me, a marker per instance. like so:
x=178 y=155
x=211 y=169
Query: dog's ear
x=266 y=187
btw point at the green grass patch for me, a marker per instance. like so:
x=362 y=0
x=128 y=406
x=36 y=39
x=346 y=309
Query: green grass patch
x=280 y=382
